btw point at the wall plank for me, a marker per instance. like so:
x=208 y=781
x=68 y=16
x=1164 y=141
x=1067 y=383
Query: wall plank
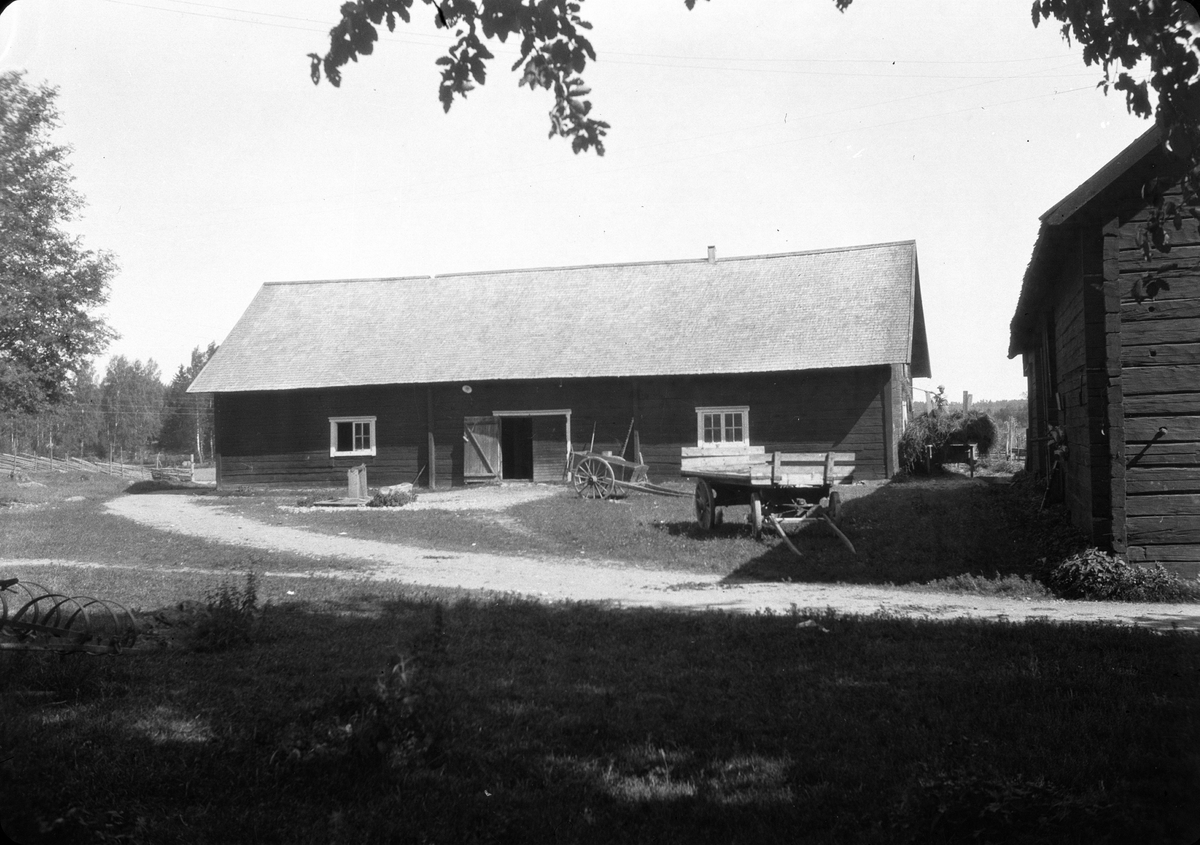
x=1163 y=404
x=1163 y=480
x=1164 y=553
x=1161 y=331
x=1156 y=354
x=1177 y=428
x=1169 y=379
x=1156 y=530
x=1174 y=504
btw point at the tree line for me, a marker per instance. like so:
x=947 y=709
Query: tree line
x=128 y=415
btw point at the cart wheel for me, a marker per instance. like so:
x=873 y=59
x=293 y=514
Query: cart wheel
x=756 y=515
x=835 y=505
x=705 y=510
x=594 y=479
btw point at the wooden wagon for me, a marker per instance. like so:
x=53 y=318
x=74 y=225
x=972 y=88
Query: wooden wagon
x=598 y=475
x=782 y=490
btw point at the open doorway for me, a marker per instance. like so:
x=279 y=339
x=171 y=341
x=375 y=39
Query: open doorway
x=516 y=444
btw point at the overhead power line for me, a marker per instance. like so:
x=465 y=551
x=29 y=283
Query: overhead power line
x=444 y=41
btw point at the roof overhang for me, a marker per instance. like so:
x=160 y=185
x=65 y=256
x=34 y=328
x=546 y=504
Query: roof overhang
x=1113 y=185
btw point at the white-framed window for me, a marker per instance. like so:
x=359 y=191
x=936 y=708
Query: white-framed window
x=349 y=436
x=727 y=426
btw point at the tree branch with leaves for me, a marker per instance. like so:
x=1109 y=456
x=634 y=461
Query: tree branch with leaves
x=1114 y=34
x=554 y=52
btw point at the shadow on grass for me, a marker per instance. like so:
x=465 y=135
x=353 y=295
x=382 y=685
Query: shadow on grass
x=927 y=530
x=540 y=724
x=181 y=487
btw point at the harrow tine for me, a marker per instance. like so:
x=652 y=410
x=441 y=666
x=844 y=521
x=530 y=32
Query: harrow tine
x=50 y=621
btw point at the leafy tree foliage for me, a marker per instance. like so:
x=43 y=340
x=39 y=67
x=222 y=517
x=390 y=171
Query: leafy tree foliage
x=76 y=423
x=188 y=417
x=131 y=400
x=1115 y=34
x=49 y=284
x=72 y=427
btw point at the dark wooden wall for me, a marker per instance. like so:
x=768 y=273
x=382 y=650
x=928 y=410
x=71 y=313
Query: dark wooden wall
x=282 y=437
x=1127 y=374
x=1160 y=379
x=1058 y=382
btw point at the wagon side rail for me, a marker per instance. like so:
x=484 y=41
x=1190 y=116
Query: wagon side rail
x=754 y=466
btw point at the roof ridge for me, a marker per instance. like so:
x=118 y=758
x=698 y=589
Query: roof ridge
x=346 y=281
x=600 y=266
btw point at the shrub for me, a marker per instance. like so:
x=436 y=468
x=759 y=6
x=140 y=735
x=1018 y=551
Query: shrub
x=1098 y=575
x=392 y=499
x=228 y=617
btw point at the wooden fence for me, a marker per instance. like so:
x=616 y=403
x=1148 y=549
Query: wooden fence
x=34 y=463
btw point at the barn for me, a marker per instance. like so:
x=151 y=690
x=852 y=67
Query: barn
x=462 y=378
x=1108 y=328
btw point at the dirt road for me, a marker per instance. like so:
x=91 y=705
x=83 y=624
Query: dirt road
x=606 y=581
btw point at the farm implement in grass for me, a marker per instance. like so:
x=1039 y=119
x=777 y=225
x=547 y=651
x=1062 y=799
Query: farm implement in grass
x=782 y=490
x=33 y=618
x=598 y=475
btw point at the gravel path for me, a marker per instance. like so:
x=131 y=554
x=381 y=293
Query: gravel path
x=605 y=581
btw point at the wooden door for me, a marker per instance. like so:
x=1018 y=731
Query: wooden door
x=549 y=448
x=481 y=449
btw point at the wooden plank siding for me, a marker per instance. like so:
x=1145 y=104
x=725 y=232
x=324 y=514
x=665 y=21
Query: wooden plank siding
x=1159 y=357
x=1110 y=425
x=1073 y=384
x=282 y=437
x=1070 y=386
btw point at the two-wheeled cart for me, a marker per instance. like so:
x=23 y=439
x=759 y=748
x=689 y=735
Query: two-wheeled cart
x=783 y=490
x=598 y=475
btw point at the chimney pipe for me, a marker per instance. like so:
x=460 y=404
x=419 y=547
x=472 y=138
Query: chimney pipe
x=712 y=255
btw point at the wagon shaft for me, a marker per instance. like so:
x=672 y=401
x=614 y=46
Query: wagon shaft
x=34 y=618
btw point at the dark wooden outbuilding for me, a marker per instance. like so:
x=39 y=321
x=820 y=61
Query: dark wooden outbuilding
x=1110 y=341
x=471 y=377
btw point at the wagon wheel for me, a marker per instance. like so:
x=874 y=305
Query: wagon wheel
x=705 y=505
x=594 y=479
x=756 y=515
x=835 y=505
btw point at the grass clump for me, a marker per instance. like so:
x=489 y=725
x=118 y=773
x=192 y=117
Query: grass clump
x=966 y=806
x=1098 y=575
x=392 y=499
x=228 y=618
x=398 y=722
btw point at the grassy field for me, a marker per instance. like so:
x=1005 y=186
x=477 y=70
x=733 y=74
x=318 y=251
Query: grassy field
x=951 y=532
x=528 y=723
x=508 y=721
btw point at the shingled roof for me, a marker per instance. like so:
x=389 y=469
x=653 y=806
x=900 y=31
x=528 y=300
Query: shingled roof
x=850 y=307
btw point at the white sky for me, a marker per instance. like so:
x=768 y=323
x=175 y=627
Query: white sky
x=211 y=164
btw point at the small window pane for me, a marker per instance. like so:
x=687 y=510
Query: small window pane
x=712 y=428
x=733 y=428
x=362 y=436
x=345 y=437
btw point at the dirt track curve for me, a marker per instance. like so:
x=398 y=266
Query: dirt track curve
x=602 y=581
